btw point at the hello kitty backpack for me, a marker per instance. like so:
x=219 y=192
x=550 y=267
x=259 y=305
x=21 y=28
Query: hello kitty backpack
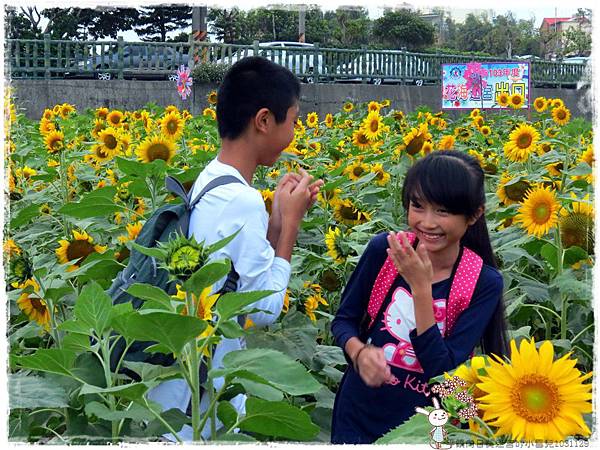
x=461 y=290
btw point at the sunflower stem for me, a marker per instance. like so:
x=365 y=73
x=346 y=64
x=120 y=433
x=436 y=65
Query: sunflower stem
x=564 y=299
x=195 y=374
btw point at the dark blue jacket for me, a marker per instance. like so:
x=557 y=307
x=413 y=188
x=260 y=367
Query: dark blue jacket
x=362 y=414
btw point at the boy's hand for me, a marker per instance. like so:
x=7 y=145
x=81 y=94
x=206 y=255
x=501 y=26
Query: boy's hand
x=288 y=178
x=372 y=366
x=414 y=266
x=295 y=200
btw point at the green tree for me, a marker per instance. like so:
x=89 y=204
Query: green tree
x=472 y=34
x=154 y=23
x=228 y=25
x=577 y=42
x=403 y=29
x=274 y=24
x=349 y=27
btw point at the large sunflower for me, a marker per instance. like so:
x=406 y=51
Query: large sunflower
x=332 y=238
x=360 y=139
x=447 y=142
x=46 y=126
x=110 y=140
x=523 y=141
x=356 y=170
x=114 y=118
x=100 y=154
x=76 y=250
x=373 y=126
x=516 y=101
x=503 y=98
x=561 y=115
x=312 y=120
x=532 y=397
x=539 y=211
x=381 y=176
x=348 y=106
x=172 y=125
x=373 y=106
x=540 y=104
x=156 y=147
x=54 y=141
x=347 y=213
x=34 y=307
x=577 y=225
x=415 y=139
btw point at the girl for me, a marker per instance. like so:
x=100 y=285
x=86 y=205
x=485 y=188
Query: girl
x=418 y=303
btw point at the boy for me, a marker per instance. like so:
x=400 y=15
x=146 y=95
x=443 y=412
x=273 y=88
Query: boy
x=257 y=107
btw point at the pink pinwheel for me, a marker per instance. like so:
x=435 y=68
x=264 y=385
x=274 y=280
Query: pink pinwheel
x=475 y=75
x=184 y=81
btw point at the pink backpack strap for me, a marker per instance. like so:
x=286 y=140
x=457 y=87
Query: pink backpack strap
x=385 y=278
x=463 y=286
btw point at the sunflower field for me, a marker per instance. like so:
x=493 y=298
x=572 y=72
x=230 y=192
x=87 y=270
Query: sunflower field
x=80 y=185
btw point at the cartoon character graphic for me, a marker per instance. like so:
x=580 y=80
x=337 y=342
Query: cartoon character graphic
x=399 y=320
x=437 y=418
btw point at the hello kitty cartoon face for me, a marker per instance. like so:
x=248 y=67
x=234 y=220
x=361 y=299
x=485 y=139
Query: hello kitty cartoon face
x=399 y=317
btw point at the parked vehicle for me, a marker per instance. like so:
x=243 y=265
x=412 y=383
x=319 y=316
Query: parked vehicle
x=139 y=62
x=391 y=67
x=286 y=53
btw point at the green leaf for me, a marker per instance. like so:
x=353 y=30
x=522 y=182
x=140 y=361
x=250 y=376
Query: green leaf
x=290 y=377
x=414 y=431
x=233 y=303
x=93 y=307
x=51 y=360
x=278 y=419
x=75 y=326
x=149 y=292
x=206 y=276
x=582 y=168
x=227 y=414
x=131 y=167
x=534 y=289
x=30 y=391
x=222 y=243
x=148 y=371
x=574 y=254
x=76 y=342
x=259 y=390
x=174 y=417
x=231 y=329
x=550 y=253
x=134 y=411
x=235 y=437
x=92 y=207
x=171 y=330
x=154 y=252
x=25 y=215
x=132 y=391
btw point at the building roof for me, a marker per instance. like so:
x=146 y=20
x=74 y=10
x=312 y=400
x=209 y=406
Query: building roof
x=552 y=20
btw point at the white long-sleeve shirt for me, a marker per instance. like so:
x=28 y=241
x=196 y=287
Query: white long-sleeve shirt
x=221 y=212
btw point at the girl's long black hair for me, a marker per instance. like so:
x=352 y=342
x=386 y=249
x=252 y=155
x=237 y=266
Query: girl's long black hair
x=455 y=181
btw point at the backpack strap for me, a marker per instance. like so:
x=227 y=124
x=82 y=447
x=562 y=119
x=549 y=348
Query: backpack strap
x=385 y=278
x=463 y=286
x=461 y=290
x=216 y=182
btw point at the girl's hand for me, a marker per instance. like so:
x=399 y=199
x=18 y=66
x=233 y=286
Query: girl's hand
x=414 y=266
x=372 y=366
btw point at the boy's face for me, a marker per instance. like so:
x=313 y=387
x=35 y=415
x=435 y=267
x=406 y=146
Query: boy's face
x=280 y=135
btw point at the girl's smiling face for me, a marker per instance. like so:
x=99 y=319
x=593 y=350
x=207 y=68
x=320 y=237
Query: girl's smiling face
x=435 y=226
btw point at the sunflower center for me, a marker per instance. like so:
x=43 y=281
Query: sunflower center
x=38 y=305
x=516 y=101
x=172 y=126
x=577 y=229
x=541 y=213
x=415 y=145
x=349 y=212
x=114 y=119
x=79 y=250
x=357 y=171
x=158 y=151
x=362 y=139
x=374 y=126
x=186 y=258
x=100 y=153
x=516 y=191
x=536 y=399
x=110 y=141
x=560 y=114
x=524 y=140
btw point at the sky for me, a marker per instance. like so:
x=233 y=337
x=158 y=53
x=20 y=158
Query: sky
x=538 y=9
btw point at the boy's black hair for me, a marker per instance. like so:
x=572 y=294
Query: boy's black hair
x=249 y=85
x=455 y=180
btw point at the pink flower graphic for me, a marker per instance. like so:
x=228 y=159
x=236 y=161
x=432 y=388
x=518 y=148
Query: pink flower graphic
x=184 y=81
x=475 y=76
